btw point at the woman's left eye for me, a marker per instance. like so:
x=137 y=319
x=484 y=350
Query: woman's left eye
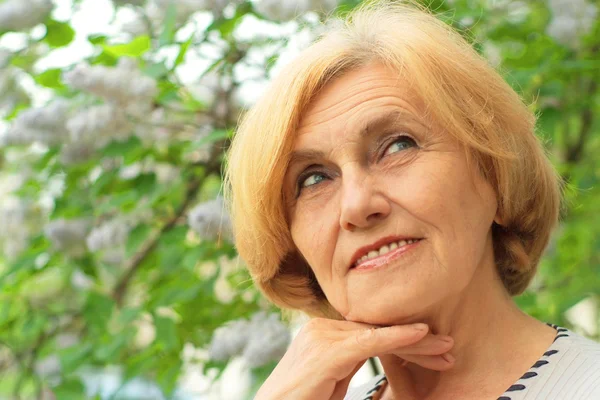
x=400 y=143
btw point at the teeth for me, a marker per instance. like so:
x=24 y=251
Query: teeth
x=385 y=249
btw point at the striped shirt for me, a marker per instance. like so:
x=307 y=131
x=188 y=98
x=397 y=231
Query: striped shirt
x=568 y=370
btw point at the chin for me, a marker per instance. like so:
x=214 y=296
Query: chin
x=389 y=310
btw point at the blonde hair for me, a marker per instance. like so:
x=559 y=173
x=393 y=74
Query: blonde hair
x=462 y=92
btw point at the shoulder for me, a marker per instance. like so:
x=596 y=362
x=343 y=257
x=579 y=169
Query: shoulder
x=576 y=374
x=363 y=390
x=581 y=346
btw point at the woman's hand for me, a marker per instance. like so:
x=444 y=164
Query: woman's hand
x=325 y=355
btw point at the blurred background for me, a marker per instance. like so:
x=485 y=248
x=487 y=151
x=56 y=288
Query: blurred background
x=119 y=277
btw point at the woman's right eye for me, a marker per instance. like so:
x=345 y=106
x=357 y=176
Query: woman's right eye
x=310 y=179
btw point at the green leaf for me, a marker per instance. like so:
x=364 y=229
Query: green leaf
x=136 y=237
x=58 y=34
x=183 y=51
x=156 y=70
x=166 y=333
x=145 y=184
x=168 y=373
x=69 y=389
x=168 y=92
x=104 y=58
x=98 y=310
x=119 y=148
x=135 y=48
x=169 y=24
x=97 y=39
x=215 y=136
x=73 y=357
x=50 y=79
x=109 y=350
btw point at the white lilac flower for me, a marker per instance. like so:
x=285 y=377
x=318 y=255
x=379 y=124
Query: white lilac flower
x=47 y=367
x=76 y=152
x=80 y=280
x=286 y=10
x=5 y=56
x=19 y=15
x=110 y=238
x=11 y=92
x=16 y=216
x=571 y=19
x=45 y=124
x=210 y=220
x=66 y=340
x=68 y=235
x=185 y=8
x=108 y=235
x=259 y=341
x=229 y=340
x=132 y=2
x=123 y=84
x=98 y=124
x=268 y=341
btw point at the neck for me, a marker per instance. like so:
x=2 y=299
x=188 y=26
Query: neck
x=495 y=343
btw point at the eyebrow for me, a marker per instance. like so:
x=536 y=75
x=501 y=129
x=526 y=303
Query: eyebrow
x=379 y=121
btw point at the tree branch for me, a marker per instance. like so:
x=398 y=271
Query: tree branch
x=135 y=263
x=212 y=166
x=575 y=152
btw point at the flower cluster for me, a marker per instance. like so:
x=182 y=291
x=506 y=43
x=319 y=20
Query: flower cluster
x=19 y=15
x=19 y=219
x=109 y=238
x=261 y=340
x=98 y=124
x=107 y=235
x=571 y=19
x=132 y=2
x=68 y=235
x=286 y=10
x=210 y=220
x=124 y=85
x=11 y=91
x=44 y=124
x=153 y=15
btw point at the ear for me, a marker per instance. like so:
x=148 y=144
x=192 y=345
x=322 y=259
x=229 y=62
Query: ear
x=498 y=219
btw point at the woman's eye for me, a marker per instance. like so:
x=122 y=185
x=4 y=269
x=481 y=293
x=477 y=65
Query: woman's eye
x=401 y=143
x=310 y=179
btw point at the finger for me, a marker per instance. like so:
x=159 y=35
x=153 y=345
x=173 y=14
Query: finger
x=429 y=345
x=438 y=363
x=360 y=345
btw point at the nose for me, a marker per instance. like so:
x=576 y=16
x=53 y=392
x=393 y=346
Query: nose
x=363 y=204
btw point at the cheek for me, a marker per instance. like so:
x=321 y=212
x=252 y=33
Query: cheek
x=438 y=192
x=312 y=232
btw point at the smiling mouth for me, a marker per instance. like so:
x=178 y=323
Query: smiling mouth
x=384 y=254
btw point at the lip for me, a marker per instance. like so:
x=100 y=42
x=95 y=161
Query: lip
x=385 y=259
x=374 y=246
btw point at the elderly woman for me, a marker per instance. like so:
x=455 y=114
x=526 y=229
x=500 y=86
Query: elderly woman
x=389 y=184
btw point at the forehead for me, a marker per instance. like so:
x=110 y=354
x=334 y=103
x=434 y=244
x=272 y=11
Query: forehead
x=356 y=96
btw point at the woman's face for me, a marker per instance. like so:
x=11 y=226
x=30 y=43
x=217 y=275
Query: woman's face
x=367 y=169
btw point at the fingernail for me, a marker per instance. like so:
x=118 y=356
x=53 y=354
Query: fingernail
x=448 y=357
x=420 y=327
